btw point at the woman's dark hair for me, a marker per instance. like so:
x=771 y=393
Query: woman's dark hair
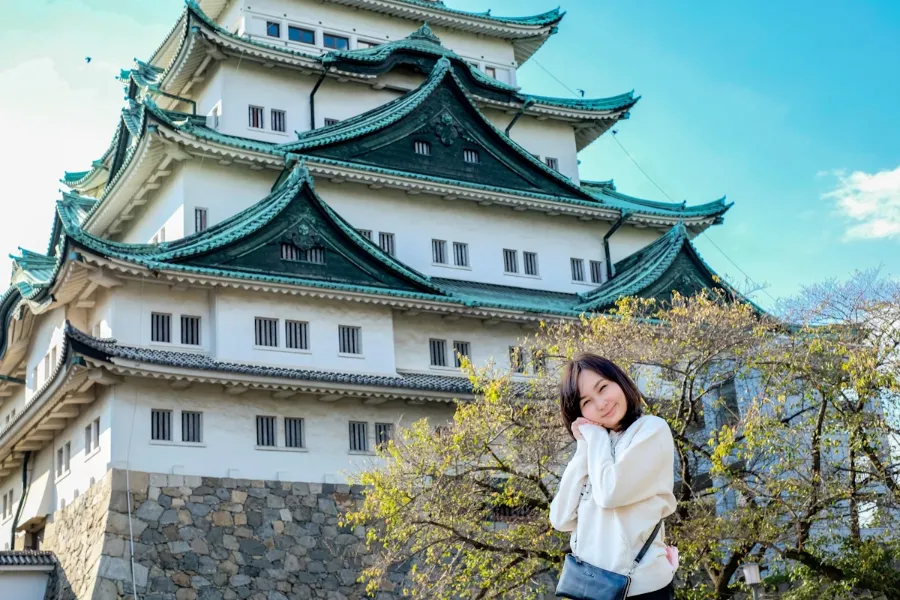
x=570 y=397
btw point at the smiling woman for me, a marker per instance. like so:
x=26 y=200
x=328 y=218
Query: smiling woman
x=616 y=489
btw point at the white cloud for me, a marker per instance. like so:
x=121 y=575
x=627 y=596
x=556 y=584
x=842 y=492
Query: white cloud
x=871 y=201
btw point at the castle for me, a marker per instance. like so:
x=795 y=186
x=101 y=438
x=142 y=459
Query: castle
x=308 y=213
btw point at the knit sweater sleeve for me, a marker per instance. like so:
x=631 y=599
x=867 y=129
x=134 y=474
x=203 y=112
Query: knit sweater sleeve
x=637 y=473
x=564 y=508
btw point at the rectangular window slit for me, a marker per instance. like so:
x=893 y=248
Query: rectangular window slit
x=160 y=328
x=265 y=431
x=293 y=432
x=190 y=330
x=266 y=332
x=359 y=441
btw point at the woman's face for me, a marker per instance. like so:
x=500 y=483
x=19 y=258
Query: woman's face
x=602 y=401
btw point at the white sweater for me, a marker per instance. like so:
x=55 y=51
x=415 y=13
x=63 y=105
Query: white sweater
x=611 y=505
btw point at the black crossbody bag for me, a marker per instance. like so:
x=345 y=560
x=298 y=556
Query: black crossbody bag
x=582 y=581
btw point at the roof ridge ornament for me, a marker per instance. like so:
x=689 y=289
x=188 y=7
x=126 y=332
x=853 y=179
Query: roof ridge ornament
x=426 y=34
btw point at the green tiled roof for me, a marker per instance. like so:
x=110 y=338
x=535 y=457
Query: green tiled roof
x=606 y=193
x=394 y=111
x=109 y=350
x=490 y=295
x=637 y=273
x=373 y=120
x=544 y=19
x=619 y=102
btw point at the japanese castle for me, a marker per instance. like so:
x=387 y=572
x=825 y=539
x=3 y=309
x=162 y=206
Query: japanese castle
x=308 y=212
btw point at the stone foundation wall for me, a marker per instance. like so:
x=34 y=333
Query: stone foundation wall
x=212 y=539
x=76 y=536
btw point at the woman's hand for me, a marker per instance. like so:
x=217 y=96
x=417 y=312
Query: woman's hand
x=577 y=423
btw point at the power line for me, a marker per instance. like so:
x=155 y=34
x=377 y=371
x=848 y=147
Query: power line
x=705 y=232
x=558 y=80
x=651 y=180
x=628 y=154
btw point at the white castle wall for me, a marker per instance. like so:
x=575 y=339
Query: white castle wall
x=229 y=432
x=84 y=468
x=548 y=138
x=365 y=25
x=487 y=230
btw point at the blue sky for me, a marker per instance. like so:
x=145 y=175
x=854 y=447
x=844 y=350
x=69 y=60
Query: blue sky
x=788 y=108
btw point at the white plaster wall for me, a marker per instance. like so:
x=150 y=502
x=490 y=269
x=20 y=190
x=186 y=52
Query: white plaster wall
x=13 y=402
x=47 y=333
x=227 y=331
x=361 y=24
x=197 y=183
x=164 y=209
x=544 y=138
x=13 y=482
x=134 y=302
x=222 y=190
x=235 y=313
x=487 y=344
x=487 y=231
x=240 y=86
x=23 y=584
x=84 y=468
x=232 y=17
x=229 y=432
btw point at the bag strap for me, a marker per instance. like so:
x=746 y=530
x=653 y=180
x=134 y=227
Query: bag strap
x=646 y=547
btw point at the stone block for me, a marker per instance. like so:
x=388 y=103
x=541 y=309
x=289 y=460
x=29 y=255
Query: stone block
x=149 y=511
x=186 y=594
x=238 y=496
x=114 y=546
x=159 y=480
x=175 y=481
x=222 y=518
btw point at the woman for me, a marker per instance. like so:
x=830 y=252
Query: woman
x=619 y=483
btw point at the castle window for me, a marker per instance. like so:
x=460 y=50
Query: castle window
x=438 y=349
x=304 y=36
x=460 y=349
x=384 y=432
x=471 y=156
x=273 y=29
x=190 y=330
x=439 y=252
x=386 y=241
x=192 y=427
x=366 y=233
x=359 y=440
x=460 y=254
x=596 y=271
x=330 y=122
x=265 y=431
x=266 y=332
x=336 y=42
x=161 y=425
x=350 y=340
x=531 y=263
x=517 y=359
x=293 y=432
x=92 y=437
x=491 y=72
x=290 y=252
x=510 y=261
x=577 y=269
x=160 y=328
x=553 y=163
x=201 y=218
x=314 y=255
x=296 y=335
x=423 y=148
x=278 y=120
x=256 y=117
